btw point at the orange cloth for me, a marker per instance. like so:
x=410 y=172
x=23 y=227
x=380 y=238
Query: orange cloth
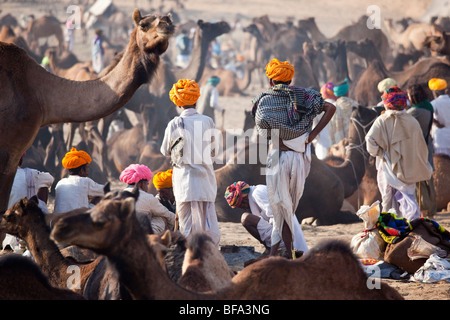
x=185 y=92
x=74 y=159
x=280 y=71
x=163 y=179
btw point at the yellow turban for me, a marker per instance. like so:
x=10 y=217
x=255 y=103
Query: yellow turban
x=163 y=179
x=280 y=71
x=74 y=159
x=436 y=84
x=185 y=92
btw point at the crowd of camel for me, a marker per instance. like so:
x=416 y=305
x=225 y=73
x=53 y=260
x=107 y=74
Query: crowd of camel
x=35 y=104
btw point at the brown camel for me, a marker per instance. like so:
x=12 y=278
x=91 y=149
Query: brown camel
x=365 y=90
x=413 y=37
x=22 y=279
x=439 y=45
x=45 y=27
x=8 y=35
x=111 y=228
x=32 y=97
x=441 y=180
x=26 y=221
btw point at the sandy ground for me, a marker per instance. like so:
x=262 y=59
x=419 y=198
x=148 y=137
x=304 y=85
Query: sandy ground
x=330 y=16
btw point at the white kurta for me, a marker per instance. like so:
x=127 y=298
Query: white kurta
x=74 y=192
x=26 y=183
x=259 y=206
x=148 y=203
x=441 y=136
x=194 y=181
x=285 y=179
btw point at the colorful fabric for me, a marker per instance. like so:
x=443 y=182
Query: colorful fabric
x=135 y=173
x=163 y=179
x=385 y=84
x=437 y=84
x=341 y=89
x=369 y=262
x=392 y=228
x=280 y=71
x=394 y=98
x=445 y=233
x=289 y=109
x=236 y=192
x=184 y=93
x=74 y=159
x=327 y=91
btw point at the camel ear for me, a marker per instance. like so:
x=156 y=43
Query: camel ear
x=137 y=17
x=127 y=208
x=107 y=187
x=166 y=238
x=170 y=16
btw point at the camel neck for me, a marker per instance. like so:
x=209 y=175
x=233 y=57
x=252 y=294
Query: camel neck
x=63 y=100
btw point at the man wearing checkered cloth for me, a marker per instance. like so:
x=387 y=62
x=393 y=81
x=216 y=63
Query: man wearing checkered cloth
x=284 y=114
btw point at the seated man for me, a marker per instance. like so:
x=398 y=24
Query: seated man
x=161 y=219
x=77 y=190
x=163 y=184
x=258 y=218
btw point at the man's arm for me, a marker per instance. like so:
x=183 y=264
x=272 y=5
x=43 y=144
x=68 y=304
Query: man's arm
x=329 y=110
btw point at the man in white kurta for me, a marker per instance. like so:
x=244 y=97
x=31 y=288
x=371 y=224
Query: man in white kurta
x=77 y=190
x=260 y=218
x=441 y=124
x=27 y=183
x=194 y=181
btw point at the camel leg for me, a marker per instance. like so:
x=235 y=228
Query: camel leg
x=7 y=174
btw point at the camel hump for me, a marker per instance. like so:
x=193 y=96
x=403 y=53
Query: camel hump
x=332 y=246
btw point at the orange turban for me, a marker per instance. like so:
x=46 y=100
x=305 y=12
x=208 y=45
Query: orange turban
x=437 y=84
x=163 y=179
x=185 y=92
x=280 y=71
x=74 y=159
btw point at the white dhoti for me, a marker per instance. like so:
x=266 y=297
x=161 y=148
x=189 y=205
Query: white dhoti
x=395 y=194
x=198 y=216
x=285 y=184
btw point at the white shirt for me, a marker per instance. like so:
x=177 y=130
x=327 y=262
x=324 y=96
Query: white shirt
x=74 y=192
x=441 y=136
x=26 y=183
x=259 y=203
x=194 y=179
x=148 y=203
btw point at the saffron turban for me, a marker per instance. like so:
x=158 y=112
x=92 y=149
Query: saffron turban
x=184 y=93
x=385 y=84
x=394 y=98
x=280 y=71
x=135 y=173
x=75 y=158
x=437 y=84
x=327 y=91
x=236 y=192
x=341 y=89
x=163 y=179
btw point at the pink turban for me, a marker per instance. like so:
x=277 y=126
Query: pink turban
x=394 y=98
x=327 y=91
x=236 y=192
x=135 y=173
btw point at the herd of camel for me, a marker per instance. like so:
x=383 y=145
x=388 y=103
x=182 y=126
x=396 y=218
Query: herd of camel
x=139 y=78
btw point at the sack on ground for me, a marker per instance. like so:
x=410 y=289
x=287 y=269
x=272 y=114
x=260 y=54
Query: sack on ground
x=369 y=244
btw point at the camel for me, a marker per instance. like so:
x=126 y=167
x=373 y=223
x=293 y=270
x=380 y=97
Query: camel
x=32 y=97
x=365 y=90
x=26 y=221
x=21 y=279
x=441 y=180
x=413 y=37
x=439 y=45
x=361 y=185
x=44 y=27
x=111 y=228
x=8 y=35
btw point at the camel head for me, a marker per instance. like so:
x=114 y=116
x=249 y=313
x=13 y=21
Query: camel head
x=153 y=32
x=102 y=227
x=210 y=31
x=22 y=216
